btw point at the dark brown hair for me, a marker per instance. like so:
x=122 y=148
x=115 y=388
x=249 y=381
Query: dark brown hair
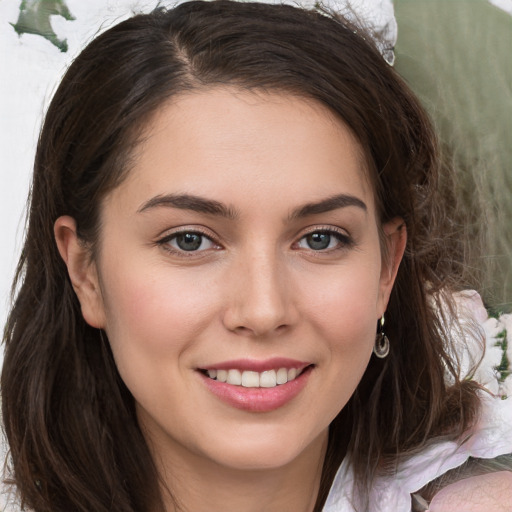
x=70 y=421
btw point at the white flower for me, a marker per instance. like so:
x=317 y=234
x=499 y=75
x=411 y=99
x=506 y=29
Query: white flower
x=473 y=330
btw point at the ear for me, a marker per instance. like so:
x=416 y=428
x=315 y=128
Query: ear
x=395 y=240
x=82 y=271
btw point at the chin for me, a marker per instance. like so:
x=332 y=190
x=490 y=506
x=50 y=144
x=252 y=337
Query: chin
x=266 y=450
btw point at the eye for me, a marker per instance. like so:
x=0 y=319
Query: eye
x=323 y=240
x=187 y=241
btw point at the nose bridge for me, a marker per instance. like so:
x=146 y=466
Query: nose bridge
x=261 y=302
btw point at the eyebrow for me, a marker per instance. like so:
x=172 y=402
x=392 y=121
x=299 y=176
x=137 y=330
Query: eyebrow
x=327 y=205
x=211 y=207
x=190 y=202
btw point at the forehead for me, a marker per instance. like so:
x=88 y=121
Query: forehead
x=244 y=144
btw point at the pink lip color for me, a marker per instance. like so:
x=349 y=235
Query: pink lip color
x=257 y=399
x=257 y=366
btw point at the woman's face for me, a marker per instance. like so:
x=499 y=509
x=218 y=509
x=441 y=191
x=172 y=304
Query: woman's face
x=243 y=245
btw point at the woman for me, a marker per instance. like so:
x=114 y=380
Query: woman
x=228 y=200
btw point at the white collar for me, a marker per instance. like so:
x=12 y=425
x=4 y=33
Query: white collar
x=490 y=438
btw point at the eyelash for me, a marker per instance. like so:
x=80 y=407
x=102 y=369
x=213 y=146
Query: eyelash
x=344 y=241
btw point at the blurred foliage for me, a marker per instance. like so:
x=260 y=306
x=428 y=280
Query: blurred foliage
x=34 y=18
x=455 y=54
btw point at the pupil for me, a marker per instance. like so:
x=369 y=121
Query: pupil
x=319 y=241
x=189 y=241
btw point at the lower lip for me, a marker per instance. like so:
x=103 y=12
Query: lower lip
x=258 y=399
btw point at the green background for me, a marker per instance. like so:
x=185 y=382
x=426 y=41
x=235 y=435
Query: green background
x=457 y=56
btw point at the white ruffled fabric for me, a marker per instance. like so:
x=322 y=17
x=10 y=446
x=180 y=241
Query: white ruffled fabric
x=490 y=438
x=473 y=331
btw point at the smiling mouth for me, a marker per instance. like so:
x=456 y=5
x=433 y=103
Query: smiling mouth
x=252 y=379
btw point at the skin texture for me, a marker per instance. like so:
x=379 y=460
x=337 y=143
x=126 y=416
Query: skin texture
x=483 y=493
x=254 y=290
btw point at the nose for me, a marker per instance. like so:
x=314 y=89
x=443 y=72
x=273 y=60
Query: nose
x=260 y=301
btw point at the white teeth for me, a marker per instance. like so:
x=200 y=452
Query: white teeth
x=268 y=379
x=251 y=379
x=234 y=377
x=282 y=376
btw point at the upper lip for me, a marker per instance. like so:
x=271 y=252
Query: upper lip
x=257 y=365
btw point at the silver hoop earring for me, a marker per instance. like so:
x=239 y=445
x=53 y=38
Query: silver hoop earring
x=381 y=347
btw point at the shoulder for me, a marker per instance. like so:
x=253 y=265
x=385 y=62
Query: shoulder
x=482 y=493
x=474 y=475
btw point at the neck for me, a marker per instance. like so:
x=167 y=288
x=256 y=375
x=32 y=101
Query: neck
x=191 y=483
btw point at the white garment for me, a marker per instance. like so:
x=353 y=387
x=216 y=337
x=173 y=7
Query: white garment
x=491 y=437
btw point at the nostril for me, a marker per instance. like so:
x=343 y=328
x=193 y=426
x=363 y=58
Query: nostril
x=242 y=330
x=259 y=331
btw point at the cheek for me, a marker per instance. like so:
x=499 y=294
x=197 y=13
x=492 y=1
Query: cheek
x=343 y=310
x=344 y=303
x=154 y=312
